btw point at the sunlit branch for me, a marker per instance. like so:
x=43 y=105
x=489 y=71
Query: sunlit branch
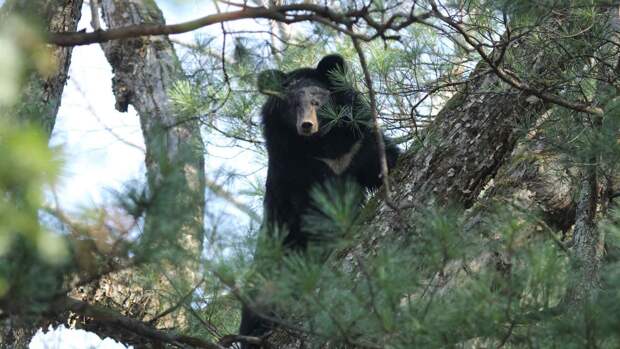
x=339 y=21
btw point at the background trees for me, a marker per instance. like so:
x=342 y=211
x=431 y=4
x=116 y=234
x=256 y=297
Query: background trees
x=499 y=229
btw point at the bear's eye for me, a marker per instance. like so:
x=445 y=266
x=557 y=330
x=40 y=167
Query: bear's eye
x=315 y=103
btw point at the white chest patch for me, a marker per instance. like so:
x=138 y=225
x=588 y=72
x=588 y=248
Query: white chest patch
x=339 y=165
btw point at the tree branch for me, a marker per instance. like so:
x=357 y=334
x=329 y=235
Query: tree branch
x=375 y=122
x=276 y=13
x=285 y=14
x=509 y=77
x=111 y=317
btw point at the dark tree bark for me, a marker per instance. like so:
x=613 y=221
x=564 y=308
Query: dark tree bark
x=537 y=181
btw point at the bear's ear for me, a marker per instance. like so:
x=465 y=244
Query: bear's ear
x=329 y=64
x=271 y=82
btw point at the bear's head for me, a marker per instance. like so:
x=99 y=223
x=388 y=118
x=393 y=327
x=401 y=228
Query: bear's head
x=302 y=92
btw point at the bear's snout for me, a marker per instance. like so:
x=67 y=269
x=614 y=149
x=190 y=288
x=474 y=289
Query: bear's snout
x=307 y=122
x=306 y=126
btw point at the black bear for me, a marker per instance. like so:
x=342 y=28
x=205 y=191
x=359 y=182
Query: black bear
x=306 y=147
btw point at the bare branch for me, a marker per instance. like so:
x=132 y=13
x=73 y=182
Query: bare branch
x=284 y=13
x=111 y=317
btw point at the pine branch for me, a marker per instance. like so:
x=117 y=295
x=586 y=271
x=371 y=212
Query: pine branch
x=509 y=77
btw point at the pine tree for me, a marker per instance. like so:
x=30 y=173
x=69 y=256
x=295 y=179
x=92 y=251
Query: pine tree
x=498 y=228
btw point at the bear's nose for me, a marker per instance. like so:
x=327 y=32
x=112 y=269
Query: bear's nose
x=306 y=126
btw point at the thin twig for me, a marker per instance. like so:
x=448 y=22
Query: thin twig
x=178 y=304
x=375 y=120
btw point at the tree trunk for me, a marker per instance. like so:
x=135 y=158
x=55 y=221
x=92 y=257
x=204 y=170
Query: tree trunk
x=468 y=142
x=472 y=137
x=43 y=93
x=587 y=241
x=145 y=70
x=587 y=247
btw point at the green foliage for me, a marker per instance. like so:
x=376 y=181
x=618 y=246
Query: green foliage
x=385 y=303
x=448 y=278
x=32 y=259
x=336 y=212
x=443 y=281
x=271 y=82
x=438 y=291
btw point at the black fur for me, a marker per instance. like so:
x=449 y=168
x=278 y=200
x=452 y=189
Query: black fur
x=294 y=167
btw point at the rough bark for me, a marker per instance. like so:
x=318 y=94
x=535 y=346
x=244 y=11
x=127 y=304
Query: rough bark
x=536 y=180
x=587 y=250
x=43 y=93
x=145 y=70
x=471 y=138
x=587 y=242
